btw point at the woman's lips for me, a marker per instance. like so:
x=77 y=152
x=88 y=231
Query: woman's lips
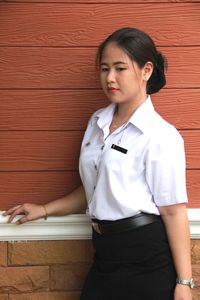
x=111 y=90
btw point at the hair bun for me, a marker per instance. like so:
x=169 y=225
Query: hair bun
x=160 y=59
x=157 y=79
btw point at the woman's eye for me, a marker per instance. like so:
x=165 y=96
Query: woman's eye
x=104 y=69
x=120 y=69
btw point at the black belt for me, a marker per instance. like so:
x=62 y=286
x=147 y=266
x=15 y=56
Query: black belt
x=109 y=227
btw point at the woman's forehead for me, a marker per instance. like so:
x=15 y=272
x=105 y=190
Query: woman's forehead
x=115 y=54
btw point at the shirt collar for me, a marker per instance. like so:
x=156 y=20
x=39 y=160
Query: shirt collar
x=141 y=118
x=104 y=116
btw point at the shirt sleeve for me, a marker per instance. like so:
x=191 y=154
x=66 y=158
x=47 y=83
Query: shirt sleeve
x=166 y=170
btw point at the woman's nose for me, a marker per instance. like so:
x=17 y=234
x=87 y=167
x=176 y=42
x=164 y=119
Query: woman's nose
x=111 y=76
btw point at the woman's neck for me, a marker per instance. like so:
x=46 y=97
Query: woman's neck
x=125 y=110
x=123 y=113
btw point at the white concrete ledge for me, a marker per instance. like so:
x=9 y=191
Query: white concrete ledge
x=73 y=227
x=194 y=219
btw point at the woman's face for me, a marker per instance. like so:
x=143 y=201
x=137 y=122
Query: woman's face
x=121 y=78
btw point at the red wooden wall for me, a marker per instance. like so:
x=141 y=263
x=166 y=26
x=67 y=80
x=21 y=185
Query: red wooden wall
x=48 y=88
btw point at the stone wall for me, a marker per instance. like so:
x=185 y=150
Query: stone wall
x=55 y=270
x=44 y=270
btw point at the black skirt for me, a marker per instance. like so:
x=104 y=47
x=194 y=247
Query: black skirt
x=133 y=265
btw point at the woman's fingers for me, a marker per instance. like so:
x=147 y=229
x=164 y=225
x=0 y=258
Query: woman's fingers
x=11 y=210
x=29 y=210
x=22 y=220
x=15 y=212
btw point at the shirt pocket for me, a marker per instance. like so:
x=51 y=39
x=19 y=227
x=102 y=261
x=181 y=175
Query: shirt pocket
x=127 y=163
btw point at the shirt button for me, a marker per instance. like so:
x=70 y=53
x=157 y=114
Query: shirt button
x=95 y=166
x=94 y=187
x=102 y=147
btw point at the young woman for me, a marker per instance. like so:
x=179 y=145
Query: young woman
x=132 y=166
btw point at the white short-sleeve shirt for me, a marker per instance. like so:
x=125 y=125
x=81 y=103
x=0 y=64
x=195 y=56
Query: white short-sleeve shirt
x=137 y=168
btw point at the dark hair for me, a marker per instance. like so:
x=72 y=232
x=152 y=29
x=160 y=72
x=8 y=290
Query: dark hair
x=139 y=47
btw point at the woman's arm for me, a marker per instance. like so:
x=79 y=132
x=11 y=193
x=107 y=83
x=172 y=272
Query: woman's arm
x=178 y=232
x=75 y=202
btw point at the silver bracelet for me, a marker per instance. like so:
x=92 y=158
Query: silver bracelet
x=188 y=282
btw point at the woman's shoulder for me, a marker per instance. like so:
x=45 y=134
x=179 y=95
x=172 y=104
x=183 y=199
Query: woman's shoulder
x=164 y=127
x=164 y=133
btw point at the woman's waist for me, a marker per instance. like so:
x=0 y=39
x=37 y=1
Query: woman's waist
x=125 y=224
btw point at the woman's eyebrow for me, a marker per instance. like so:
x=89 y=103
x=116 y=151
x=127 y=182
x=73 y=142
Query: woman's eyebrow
x=115 y=63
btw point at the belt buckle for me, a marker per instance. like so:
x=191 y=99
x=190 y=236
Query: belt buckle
x=96 y=227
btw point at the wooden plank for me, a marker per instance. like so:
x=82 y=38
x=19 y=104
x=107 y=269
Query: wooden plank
x=181 y=58
x=101 y=1
x=37 y=187
x=40 y=187
x=179 y=107
x=49 y=109
x=71 y=109
x=42 y=150
x=62 y=68
x=193 y=186
x=36 y=24
x=192 y=148
x=59 y=150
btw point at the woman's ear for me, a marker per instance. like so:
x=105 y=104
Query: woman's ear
x=147 y=70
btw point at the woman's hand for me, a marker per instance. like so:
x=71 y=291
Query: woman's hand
x=74 y=202
x=30 y=211
x=182 y=292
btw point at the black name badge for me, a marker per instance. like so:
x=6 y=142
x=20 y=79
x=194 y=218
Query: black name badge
x=118 y=148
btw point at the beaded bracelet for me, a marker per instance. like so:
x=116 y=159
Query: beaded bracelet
x=46 y=214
